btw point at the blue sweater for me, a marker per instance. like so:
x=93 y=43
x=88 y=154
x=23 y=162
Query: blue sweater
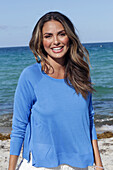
x=55 y=124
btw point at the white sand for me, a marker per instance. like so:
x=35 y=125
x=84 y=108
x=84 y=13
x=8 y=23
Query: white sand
x=105 y=147
x=106 y=152
x=4 y=154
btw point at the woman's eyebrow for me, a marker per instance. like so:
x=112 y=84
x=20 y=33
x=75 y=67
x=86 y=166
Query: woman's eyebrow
x=61 y=31
x=48 y=33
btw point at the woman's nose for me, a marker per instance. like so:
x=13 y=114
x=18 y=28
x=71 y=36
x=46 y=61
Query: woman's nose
x=56 y=40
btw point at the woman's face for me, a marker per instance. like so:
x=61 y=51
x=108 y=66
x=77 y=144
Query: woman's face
x=55 y=39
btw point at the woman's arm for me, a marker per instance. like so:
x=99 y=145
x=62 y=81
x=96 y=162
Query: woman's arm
x=23 y=101
x=12 y=162
x=97 y=157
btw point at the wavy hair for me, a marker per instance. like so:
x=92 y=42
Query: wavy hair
x=77 y=72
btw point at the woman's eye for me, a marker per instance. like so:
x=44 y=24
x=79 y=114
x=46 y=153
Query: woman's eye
x=63 y=34
x=47 y=36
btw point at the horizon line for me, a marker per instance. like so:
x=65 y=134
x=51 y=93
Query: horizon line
x=81 y=43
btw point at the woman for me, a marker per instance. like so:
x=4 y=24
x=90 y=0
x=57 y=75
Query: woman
x=53 y=113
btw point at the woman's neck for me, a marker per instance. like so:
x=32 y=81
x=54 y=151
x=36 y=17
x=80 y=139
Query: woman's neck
x=56 y=71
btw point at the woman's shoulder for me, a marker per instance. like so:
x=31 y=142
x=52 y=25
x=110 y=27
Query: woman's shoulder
x=31 y=72
x=31 y=68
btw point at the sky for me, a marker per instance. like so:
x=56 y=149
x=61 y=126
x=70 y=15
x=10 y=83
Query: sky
x=93 y=19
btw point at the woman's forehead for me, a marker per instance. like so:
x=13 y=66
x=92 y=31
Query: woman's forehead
x=52 y=26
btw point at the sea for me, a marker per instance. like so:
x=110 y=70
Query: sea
x=14 y=59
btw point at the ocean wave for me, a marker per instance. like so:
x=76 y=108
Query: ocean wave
x=104 y=120
x=6 y=120
x=104 y=128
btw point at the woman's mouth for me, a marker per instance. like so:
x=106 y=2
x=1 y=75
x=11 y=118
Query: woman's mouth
x=57 y=49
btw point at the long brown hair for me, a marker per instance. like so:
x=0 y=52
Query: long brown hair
x=77 y=72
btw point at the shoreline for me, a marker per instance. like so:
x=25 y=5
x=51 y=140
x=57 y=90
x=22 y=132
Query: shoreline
x=102 y=124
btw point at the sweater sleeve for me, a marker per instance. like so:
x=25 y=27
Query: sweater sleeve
x=91 y=116
x=23 y=101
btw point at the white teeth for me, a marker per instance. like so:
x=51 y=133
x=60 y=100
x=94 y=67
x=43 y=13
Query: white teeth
x=55 y=49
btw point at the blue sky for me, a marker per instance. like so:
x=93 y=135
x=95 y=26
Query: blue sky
x=92 y=18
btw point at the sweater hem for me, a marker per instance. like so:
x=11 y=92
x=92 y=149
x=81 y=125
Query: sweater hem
x=69 y=159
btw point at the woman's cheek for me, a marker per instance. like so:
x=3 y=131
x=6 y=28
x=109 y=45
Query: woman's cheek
x=46 y=43
x=65 y=41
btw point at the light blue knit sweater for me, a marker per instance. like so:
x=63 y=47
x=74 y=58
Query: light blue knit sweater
x=55 y=124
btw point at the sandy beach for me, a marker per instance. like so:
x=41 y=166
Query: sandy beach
x=105 y=142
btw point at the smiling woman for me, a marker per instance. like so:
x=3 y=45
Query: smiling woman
x=55 y=39
x=73 y=63
x=53 y=112
x=56 y=45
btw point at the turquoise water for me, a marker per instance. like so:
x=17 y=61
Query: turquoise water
x=14 y=60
